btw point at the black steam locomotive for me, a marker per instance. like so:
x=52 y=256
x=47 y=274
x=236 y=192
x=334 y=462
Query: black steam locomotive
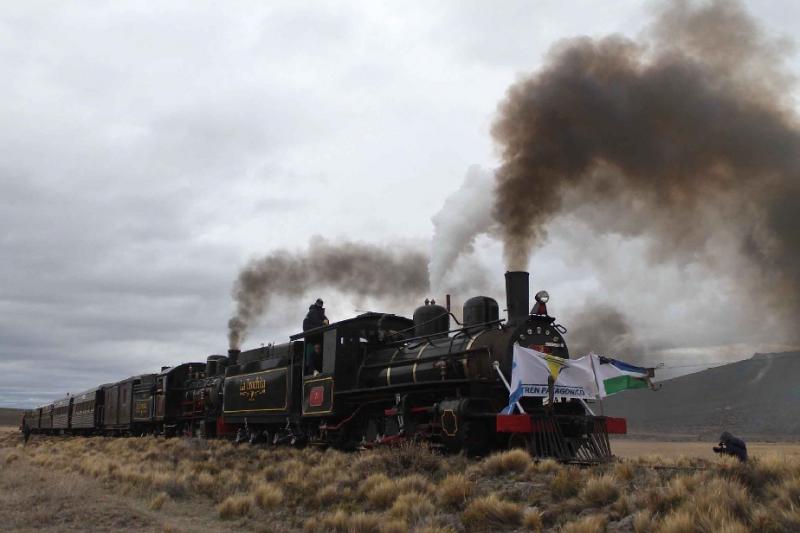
x=378 y=379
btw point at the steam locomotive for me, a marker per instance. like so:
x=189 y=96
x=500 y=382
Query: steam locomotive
x=380 y=378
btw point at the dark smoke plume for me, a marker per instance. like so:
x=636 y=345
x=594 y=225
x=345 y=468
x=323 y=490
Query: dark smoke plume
x=603 y=329
x=396 y=273
x=683 y=133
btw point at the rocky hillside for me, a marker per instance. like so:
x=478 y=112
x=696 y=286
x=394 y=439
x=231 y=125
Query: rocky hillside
x=755 y=398
x=10 y=417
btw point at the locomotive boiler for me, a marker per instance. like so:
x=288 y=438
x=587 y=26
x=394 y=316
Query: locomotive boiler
x=384 y=378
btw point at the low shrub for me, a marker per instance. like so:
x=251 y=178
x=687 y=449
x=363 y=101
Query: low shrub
x=516 y=461
x=587 y=524
x=532 y=520
x=412 y=507
x=454 y=490
x=565 y=483
x=599 y=491
x=491 y=512
x=235 y=506
x=267 y=495
x=158 y=501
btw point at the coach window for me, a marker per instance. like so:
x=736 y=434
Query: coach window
x=330 y=340
x=312 y=355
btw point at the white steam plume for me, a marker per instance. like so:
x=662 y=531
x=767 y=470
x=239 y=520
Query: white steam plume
x=466 y=214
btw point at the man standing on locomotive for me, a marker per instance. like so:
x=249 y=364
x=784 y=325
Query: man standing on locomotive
x=314 y=319
x=316 y=316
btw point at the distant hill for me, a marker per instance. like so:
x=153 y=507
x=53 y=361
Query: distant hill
x=10 y=417
x=754 y=398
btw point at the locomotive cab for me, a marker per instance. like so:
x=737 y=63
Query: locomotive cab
x=344 y=345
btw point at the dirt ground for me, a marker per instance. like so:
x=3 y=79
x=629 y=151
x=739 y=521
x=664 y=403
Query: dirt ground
x=33 y=498
x=36 y=498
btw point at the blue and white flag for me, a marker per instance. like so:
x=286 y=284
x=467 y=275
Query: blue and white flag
x=573 y=378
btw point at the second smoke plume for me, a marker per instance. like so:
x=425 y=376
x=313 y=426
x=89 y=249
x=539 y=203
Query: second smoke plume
x=395 y=273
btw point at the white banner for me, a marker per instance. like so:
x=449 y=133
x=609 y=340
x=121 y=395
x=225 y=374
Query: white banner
x=573 y=378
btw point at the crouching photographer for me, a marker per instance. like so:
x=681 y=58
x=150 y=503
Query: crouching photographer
x=730 y=445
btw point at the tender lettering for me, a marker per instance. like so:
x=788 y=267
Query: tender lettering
x=250 y=388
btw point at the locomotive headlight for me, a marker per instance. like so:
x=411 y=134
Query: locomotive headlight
x=542 y=297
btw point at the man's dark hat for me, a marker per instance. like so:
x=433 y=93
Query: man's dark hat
x=319 y=301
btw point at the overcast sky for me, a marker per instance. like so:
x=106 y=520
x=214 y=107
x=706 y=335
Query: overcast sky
x=147 y=152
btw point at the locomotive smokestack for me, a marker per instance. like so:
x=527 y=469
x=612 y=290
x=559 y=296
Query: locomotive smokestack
x=517 y=300
x=233 y=356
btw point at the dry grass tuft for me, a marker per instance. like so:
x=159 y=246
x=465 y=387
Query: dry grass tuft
x=364 y=523
x=624 y=471
x=412 y=507
x=776 y=520
x=158 y=502
x=235 y=506
x=565 y=484
x=371 y=482
x=333 y=522
x=454 y=490
x=720 y=500
x=587 y=524
x=341 y=522
x=381 y=494
x=205 y=484
x=516 y=461
x=267 y=495
x=678 y=522
x=599 y=491
x=414 y=483
x=643 y=522
x=532 y=520
x=328 y=495
x=398 y=461
x=545 y=466
x=396 y=526
x=491 y=512
x=624 y=505
x=10 y=458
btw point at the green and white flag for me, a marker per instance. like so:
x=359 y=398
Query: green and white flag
x=614 y=376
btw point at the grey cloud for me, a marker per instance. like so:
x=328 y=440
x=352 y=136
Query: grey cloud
x=146 y=153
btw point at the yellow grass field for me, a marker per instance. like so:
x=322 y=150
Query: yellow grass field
x=632 y=449
x=147 y=484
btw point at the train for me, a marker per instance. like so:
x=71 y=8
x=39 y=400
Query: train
x=370 y=380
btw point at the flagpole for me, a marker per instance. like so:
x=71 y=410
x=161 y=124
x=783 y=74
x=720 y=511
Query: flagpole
x=503 y=378
x=597 y=383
